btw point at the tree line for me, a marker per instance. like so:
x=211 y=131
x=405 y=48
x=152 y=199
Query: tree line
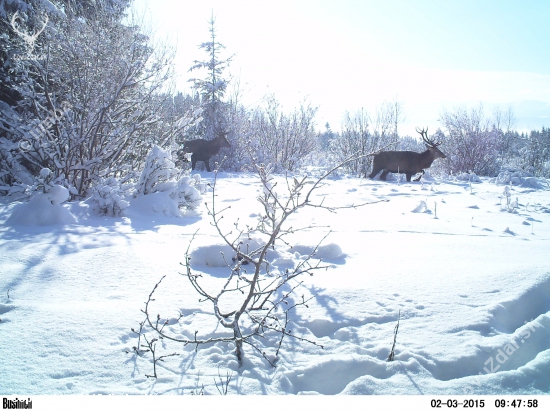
x=86 y=93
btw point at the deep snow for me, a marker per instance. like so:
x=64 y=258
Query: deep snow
x=468 y=269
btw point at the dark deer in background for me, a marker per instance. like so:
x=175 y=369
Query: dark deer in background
x=407 y=162
x=202 y=150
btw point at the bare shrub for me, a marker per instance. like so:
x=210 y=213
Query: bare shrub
x=471 y=141
x=362 y=134
x=255 y=303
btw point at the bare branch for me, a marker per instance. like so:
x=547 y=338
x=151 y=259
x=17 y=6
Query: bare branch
x=261 y=299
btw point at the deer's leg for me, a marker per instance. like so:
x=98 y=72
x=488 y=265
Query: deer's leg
x=193 y=162
x=207 y=165
x=384 y=174
x=419 y=177
x=375 y=171
x=409 y=175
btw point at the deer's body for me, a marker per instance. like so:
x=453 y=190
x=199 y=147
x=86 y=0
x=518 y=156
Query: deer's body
x=202 y=150
x=407 y=162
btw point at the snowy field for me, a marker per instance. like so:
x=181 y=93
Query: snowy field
x=467 y=267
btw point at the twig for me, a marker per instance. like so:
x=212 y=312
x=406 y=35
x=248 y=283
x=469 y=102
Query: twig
x=136 y=348
x=392 y=354
x=223 y=386
x=196 y=391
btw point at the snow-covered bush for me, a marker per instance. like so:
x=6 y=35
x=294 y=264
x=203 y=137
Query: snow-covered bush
x=109 y=197
x=270 y=135
x=421 y=207
x=512 y=176
x=161 y=176
x=186 y=194
x=517 y=177
x=360 y=136
x=471 y=141
x=158 y=173
x=45 y=207
x=82 y=120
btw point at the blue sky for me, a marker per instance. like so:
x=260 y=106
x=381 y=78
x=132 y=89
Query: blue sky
x=351 y=54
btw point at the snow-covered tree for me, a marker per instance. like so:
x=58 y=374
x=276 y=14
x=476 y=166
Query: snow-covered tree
x=159 y=169
x=534 y=154
x=326 y=137
x=211 y=87
x=160 y=175
x=282 y=139
x=471 y=141
x=90 y=105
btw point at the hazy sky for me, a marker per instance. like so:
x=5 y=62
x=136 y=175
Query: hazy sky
x=343 y=55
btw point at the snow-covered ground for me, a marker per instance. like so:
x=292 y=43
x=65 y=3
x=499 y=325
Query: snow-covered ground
x=468 y=272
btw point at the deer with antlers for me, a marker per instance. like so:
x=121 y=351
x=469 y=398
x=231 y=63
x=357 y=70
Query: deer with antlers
x=407 y=162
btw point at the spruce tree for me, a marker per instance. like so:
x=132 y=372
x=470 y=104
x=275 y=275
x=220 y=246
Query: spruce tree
x=212 y=87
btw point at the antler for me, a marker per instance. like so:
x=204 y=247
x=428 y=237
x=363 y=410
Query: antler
x=219 y=130
x=424 y=134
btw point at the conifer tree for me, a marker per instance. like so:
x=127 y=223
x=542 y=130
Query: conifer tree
x=212 y=87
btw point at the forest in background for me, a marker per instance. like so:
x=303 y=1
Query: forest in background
x=87 y=94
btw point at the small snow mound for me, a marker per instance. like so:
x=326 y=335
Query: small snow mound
x=329 y=251
x=5 y=308
x=221 y=255
x=532 y=182
x=212 y=256
x=518 y=177
x=154 y=203
x=44 y=209
x=57 y=194
x=468 y=177
x=283 y=263
x=174 y=199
